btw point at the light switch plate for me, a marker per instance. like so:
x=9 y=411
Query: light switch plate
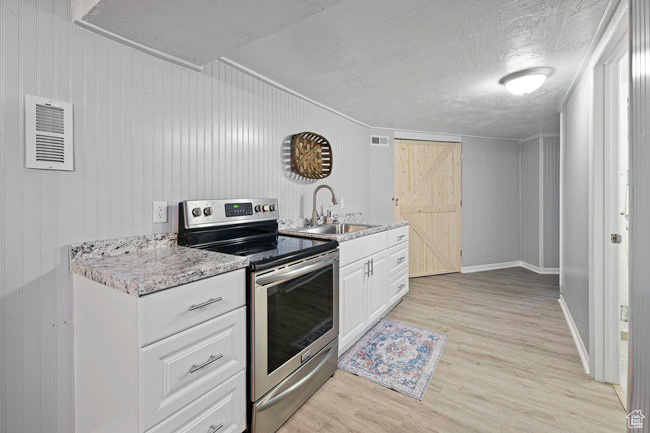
x=160 y=212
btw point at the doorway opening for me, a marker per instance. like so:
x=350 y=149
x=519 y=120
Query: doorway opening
x=609 y=201
x=619 y=209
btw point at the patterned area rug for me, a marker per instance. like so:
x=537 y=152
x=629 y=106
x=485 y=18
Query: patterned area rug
x=397 y=356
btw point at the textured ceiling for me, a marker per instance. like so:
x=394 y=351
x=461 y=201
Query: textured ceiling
x=432 y=65
x=197 y=31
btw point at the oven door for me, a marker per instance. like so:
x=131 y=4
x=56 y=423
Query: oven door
x=294 y=314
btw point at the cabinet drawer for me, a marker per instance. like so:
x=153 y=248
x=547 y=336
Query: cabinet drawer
x=177 y=370
x=398 y=236
x=356 y=249
x=173 y=310
x=398 y=258
x=222 y=409
x=398 y=286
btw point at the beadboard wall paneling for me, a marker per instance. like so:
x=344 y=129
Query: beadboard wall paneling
x=551 y=207
x=574 y=278
x=145 y=130
x=530 y=201
x=490 y=201
x=639 y=388
x=381 y=176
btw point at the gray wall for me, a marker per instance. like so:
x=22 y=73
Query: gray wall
x=529 y=207
x=490 y=201
x=639 y=389
x=551 y=203
x=574 y=276
x=144 y=130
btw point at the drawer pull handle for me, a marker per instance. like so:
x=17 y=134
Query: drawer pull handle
x=210 y=360
x=400 y=237
x=401 y=259
x=203 y=304
x=215 y=428
x=401 y=286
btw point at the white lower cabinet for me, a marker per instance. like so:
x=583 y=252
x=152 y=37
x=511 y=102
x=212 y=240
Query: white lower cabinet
x=352 y=301
x=191 y=378
x=368 y=281
x=179 y=369
x=377 y=287
x=221 y=410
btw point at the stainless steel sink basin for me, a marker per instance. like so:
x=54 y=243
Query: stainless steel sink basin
x=336 y=229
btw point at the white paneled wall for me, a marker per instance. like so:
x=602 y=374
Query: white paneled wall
x=145 y=130
x=639 y=387
x=551 y=203
x=529 y=207
x=490 y=201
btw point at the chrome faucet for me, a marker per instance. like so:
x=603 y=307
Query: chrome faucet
x=314 y=213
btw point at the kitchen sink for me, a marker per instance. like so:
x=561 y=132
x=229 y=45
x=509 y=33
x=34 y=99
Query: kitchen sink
x=336 y=229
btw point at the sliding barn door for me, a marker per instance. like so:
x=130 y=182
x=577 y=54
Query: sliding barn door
x=428 y=196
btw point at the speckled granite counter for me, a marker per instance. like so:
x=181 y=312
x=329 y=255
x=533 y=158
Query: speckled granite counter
x=294 y=227
x=146 y=264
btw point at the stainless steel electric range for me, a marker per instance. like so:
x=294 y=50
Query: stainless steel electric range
x=292 y=301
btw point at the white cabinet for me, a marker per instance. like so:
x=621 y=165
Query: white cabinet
x=372 y=279
x=352 y=302
x=178 y=370
x=377 y=287
x=174 y=360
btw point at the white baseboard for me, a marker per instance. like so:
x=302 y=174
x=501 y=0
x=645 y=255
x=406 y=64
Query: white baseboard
x=582 y=351
x=504 y=265
x=539 y=270
x=490 y=267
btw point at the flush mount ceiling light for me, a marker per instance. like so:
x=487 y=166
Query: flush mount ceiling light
x=526 y=81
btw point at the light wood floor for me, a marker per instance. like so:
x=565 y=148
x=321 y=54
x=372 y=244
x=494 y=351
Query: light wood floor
x=510 y=365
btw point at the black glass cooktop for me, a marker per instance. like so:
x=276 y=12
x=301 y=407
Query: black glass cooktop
x=259 y=241
x=275 y=250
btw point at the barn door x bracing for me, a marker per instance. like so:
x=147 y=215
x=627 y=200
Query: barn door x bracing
x=428 y=196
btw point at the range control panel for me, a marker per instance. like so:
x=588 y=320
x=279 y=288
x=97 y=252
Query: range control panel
x=197 y=213
x=238 y=209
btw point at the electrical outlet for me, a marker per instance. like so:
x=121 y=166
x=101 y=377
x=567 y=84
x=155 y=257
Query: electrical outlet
x=160 y=211
x=341 y=203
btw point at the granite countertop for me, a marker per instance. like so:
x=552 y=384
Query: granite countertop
x=293 y=228
x=146 y=264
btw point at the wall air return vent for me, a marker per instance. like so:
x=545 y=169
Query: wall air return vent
x=379 y=140
x=48 y=134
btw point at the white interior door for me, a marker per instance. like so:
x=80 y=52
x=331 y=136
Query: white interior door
x=616 y=209
x=621 y=218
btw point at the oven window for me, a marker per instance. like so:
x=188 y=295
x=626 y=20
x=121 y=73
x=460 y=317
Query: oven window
x=299 y=312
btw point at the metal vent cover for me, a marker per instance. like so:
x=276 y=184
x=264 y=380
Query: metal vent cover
x=48 y=134
x=379 y=140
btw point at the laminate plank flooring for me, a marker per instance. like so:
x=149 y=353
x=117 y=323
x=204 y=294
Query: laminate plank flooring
x=510 y=365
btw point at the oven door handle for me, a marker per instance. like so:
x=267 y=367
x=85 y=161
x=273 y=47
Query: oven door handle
x=294 y=273
x=300 y=383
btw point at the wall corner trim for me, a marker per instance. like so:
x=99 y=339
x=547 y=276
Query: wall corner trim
x=81 y=23
x=488 y=267
x=539 y=270
x=404 y=134
x=504 y=265
x=539 y=136
x=580 y=346
x=271 y=82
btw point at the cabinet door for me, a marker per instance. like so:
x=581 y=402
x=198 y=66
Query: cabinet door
x=377 y=287
x=352 y=303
